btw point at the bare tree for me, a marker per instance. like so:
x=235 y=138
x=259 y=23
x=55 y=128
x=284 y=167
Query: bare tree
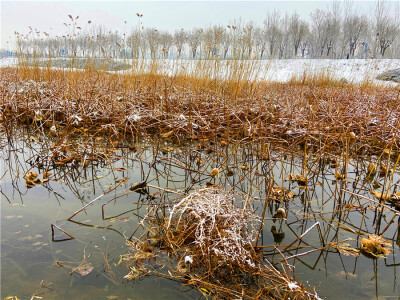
x=194 y=40
x=273 y=32
x=153 y=40
x=333 y=33
x=234 y=33
x=386 y=28
x=226 y=42
x=248 y=38
x=298 y=30
x=354 y=28
x=260 y=41
x=179 y=40
x=213 y=39
x=133 y=42
x=166 y=41
x=284 y=41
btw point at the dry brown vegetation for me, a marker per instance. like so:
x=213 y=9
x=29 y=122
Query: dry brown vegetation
x=316 y=111
x=210 y=243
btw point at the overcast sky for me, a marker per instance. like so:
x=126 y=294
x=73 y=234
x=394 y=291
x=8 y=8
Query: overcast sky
x=49 y=16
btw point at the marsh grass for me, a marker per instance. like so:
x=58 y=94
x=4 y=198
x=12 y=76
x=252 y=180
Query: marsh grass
x=313 y=109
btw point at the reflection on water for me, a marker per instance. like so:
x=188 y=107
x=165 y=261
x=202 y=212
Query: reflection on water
x=30 y=254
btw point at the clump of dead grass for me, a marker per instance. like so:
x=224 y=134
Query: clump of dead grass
x=207 y=243
x=215 y=226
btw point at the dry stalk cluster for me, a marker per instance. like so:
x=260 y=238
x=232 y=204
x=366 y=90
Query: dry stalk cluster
x=207 y=243
x=320 y=114
x=215 y=226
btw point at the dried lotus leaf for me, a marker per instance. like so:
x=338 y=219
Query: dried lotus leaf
x=380 y=240
x=346 y=249
x=369 y=246
x=83 y=269
x=214 y=173
x=372 y=245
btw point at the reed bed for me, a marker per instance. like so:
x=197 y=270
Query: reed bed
x=321 y=112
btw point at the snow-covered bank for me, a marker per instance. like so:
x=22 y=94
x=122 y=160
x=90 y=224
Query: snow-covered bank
x=354 y=70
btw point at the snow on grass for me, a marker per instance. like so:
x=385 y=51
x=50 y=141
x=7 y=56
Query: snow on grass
x=352 y=70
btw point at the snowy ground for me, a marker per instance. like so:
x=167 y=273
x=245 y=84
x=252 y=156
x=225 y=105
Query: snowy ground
x=353 y=70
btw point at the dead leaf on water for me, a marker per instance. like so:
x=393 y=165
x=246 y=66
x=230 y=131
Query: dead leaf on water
x=300 y=179
x=214 y=173
x=31 y=179
x=31 y=175
x=385 y=196
x=199 y=161
x=384 y=170
x=380 y=240
x=58 y=264
x=280 y=214
x=83 y=269
x=346 y=249
x=372 y=245
x=281 y=193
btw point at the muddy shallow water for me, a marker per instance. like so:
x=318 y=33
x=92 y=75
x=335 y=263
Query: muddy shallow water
x=29 y=254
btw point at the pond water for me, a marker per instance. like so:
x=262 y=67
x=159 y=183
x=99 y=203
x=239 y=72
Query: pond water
x=33 y=262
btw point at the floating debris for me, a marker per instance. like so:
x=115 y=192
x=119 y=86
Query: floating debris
x=374 y=245
x=280 y=213
x=300 y=179
x=214 y=173
x=346 y=249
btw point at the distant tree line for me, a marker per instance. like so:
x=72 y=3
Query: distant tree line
x=336 y=33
